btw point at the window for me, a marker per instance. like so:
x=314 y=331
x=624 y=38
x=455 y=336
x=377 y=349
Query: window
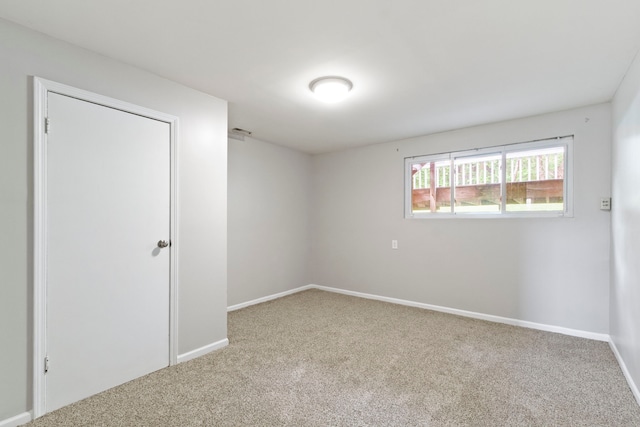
x=525 y=179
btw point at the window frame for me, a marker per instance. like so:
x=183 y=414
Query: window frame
x=502 y=150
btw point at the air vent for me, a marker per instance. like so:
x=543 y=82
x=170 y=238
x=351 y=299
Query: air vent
x=239 y=134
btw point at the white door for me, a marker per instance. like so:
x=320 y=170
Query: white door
x=108 y=206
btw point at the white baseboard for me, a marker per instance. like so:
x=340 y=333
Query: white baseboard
x=16 y=421
x=632 y=385
x=203 y=350
x=269 y=297
x=464 y=313
x=474 y=315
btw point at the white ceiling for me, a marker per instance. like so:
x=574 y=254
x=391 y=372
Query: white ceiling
x=418 y=66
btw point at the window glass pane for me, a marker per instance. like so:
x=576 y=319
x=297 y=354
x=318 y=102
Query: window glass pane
x=430 y=188
x=522 y=179
x=477 y=183
x=535 y=180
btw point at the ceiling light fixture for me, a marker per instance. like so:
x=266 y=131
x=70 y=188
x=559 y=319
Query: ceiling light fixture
x=331 y=89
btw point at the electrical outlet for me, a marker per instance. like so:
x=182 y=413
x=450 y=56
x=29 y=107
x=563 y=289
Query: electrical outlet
x=605 y=204
x=394 y=244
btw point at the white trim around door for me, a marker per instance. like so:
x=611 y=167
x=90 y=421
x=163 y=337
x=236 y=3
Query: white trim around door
x=41 y=89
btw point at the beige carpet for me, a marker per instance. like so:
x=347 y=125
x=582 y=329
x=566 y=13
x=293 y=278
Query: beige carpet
x=322 y=359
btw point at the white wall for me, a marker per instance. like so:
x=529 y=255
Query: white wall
x=625 y=235
x=268 y=206
x=202 y=186
x=553 y=271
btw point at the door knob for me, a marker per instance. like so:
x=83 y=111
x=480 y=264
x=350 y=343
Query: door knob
x=162 y=244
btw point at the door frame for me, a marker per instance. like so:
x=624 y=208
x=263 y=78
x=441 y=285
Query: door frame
x=41 y=89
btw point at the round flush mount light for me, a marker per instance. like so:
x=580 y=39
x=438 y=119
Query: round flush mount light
x=331 y=89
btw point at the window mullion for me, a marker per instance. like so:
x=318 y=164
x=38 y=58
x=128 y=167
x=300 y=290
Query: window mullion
x=503 y=183
x=452 y=187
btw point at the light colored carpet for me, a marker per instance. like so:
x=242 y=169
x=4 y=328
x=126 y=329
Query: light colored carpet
x=323 y=359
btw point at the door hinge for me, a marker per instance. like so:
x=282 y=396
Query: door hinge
x=46 y=364
x=47 y=125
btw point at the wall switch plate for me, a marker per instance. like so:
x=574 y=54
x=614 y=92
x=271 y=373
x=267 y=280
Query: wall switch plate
x=394 y=244
x=605 y=204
